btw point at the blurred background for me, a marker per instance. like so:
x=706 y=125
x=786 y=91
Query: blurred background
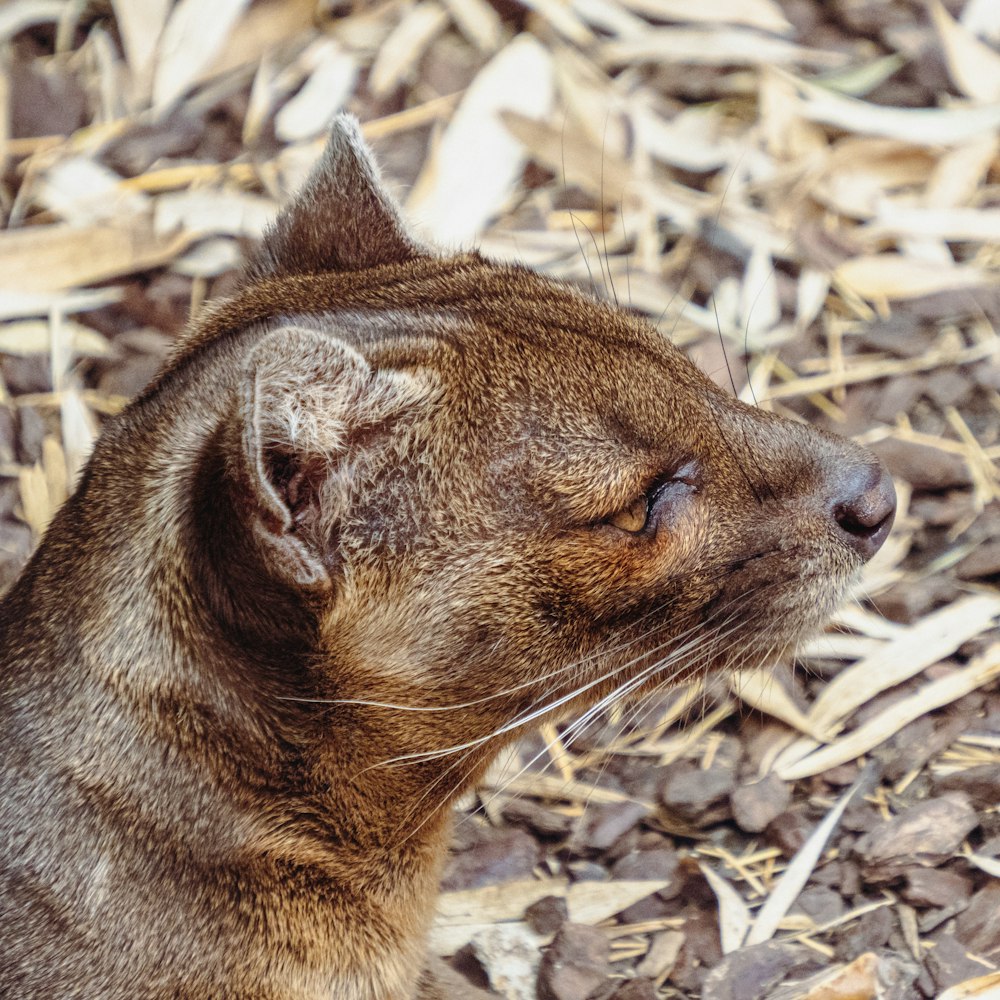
x=805 y=196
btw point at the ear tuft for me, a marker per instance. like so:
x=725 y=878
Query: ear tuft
x=343 y=219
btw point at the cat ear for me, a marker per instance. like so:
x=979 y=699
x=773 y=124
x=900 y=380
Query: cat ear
x=306 y=400
x=343 y=219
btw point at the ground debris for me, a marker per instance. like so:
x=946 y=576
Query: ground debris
x=800 y=194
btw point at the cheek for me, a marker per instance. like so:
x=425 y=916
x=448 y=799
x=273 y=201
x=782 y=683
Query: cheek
x=607 y=576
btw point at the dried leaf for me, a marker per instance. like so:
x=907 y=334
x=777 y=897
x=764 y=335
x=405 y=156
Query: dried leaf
x=324 y=93
x=759 y=690
x=49 y=258
x=734 y=914
x=29 y=337
x=25 y=305
x=920 y=126
x=472 y=172
x=21 y=14
x=192 y=37
x=478 y=21
x=928 y=641
x=463 y=914
x=763 y=14
x=592 y=902
x=981 y=988
x=795 y=876
x=398 y=57
x=83 y=192
x=931 y=696
x=895 y=276
x=140 y=23
x=973 y=66
x=204 y=212
x=713 y=47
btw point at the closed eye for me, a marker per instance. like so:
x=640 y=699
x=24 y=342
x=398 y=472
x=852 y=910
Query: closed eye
x=633 y=518
x=668 y=490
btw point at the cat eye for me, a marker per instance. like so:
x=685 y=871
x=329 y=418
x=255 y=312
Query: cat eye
x=633 y=518
x=668 y=493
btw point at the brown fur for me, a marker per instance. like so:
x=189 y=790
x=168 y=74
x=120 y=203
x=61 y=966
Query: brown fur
x=375 y=479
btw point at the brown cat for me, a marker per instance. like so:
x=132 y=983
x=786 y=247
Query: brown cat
x=381 y=504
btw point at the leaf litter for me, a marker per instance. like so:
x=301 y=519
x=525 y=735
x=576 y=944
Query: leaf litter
x=802 y=195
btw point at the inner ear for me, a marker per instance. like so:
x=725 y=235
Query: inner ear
x=297 y=481
x=308 y=403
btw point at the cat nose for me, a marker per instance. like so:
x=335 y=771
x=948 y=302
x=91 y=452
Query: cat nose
x=863 y=507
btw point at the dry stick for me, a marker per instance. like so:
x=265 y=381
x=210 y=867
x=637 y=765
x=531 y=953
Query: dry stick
x=868 y=371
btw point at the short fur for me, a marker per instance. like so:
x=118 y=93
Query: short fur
x=375 y=479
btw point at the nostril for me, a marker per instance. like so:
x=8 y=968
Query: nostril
x=865 y=508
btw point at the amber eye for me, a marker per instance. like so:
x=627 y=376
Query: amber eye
x=633 y=518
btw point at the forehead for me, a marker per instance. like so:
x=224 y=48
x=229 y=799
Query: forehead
x=574 y=367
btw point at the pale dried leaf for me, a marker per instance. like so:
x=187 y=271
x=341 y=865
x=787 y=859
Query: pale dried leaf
x=463 y=914
x=30 y=336
x=857 y=981
x=919 y=126
x=404 y=48
x=495 y=903
x=592 y=100
x=193 y=36
x=985 y=864
x=759 y=690
x=26 y=305
x=562 y=17
x=763 y=14
x=925 y=643
x=56 y=473
x=931 y=696
x=267 y=89
x=961 y=172
x=972 y=65
x=734 y=914
x=982 y=17
x=18 y=15
x=895 y=276
x=981 y=988
x=82 y=192
x=610 y=18
x=592 y=902
x=473 y=170
x=209 y=259
x=952 y=224
x=858 y=80
x=266 y=25
x=323 y=94
x=79 y=431
x=810 y=296
x=479 y=22
x=795 y=876
x=140 y=23
x=760 y=310
x=204 y=212
x=717 y=47
x=37 y=507
x=576 y=159
x=50 y=258
x=692 y=140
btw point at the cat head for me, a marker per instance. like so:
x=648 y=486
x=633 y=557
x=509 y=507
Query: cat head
x=496 y=492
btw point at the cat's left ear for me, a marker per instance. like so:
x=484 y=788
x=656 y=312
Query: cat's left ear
x=343 y=219
x=309 y=406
